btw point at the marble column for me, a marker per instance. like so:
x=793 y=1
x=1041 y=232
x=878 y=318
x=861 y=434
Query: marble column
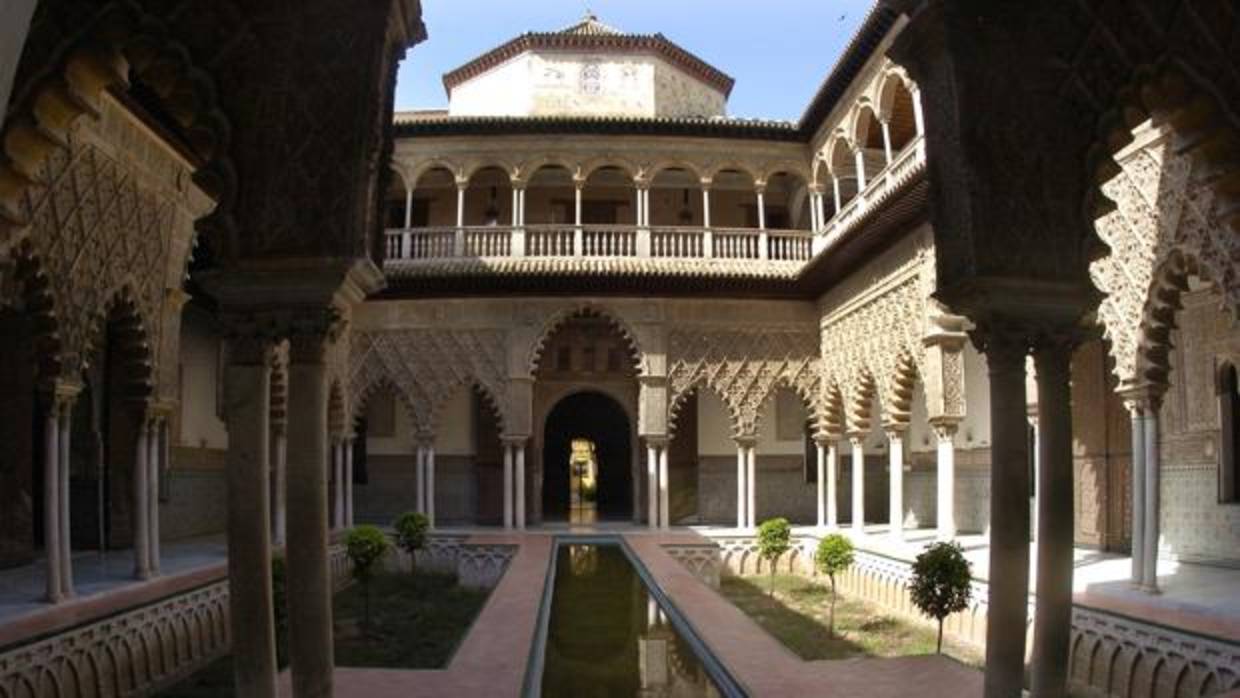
x=741 y=497
x=761 y=195
x=857 y=441
x=705 y=203
x=821 y=208
x=859 y=157
x=1136 y=409
x=508 y=464
x=154 y=464
x=895 y=463
x=886 y=140
x=751 y=485
x=652 y=485
x=337 y=459
x=309 y=579
x=1052 y=625
x=944 y=435
x=51 y=500
x=348 y=482
x=820 y=480
x=519 y=483
x=1153 y=485
x=430 y=483
x=408 y=209
x=420 y=467
x=249 y=546
x=64 y=453
x=141 y=497
x=832 y=474
x=835 y=192
x=1008 y=592
x=664 y=511
x=279 y=483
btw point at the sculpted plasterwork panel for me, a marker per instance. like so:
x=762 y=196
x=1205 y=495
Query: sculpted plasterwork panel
x=426 y=367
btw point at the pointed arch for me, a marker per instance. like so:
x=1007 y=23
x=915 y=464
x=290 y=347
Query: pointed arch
x=33 y=292
x=121 y=321
x=806 y=393
x=361 y=397
x=475 y=386
x=699 y=387
x=558 y=319
x=897 y=397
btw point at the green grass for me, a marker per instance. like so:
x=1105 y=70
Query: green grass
x=417 y=622
x=797 y=617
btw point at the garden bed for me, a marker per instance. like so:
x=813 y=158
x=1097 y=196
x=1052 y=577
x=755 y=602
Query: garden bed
x=797 y=617
x=417 y=622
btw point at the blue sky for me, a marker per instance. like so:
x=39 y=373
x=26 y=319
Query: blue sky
x=778 y=51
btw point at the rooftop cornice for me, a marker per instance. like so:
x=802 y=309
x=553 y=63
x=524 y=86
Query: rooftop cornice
x=568 y=40
x=427 y=124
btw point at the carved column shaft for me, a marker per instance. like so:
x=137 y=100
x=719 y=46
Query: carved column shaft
x=247 y=385
x=857 y=441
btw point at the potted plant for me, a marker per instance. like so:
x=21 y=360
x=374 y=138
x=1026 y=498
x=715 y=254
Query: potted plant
x=774 y=539
x=411 y=528
x=834 y=555
x=365 y=546
x=941 y=583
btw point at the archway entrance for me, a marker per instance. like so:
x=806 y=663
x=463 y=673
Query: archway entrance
x=587 y=434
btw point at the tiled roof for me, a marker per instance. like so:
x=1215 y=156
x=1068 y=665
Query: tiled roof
x=590 y=26
x=428 y=124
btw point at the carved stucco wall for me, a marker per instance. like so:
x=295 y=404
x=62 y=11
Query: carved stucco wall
x=112 y=221
x=872 y=330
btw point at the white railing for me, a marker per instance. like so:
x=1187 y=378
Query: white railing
x=909 y=161
x=598 y=241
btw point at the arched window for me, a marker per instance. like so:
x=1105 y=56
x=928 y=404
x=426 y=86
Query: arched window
x=1229 y=434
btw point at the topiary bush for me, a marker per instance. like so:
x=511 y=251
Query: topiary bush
x=411 y=528
x=833 y=555
x=941 y=583
x=774 y=539
x=365 y=546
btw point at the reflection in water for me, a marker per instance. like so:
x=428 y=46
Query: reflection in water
x=608 y=638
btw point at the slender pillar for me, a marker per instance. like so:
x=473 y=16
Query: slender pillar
x=64 y=481
x=519 y=495
x=508 y=463
x=430 y=484
x=420 y=472
x=705 y=204
x=1037 y=468
x=819 y=480
x=664 y=511
x=833 y=459
x=761 y=192
x=1136 y=409
x=859 y=156
x=1153 y=474
x=822 y=213
x=141 y=495
x=944 y=433
x=886 y=140
x=652 y=485
x=408 y=208
x=919 y=119
x=338 y=481
x=895 y=463
x=516 y=206
x=521 y=201
x=1052 y=625
x=835 y=191
x=1008 y=592
x=857 y=441
x=280 y=484
x=741 y=499
x=247 y=412
x=460 y=204
x=309 y=573
x=51 y=501
x=154 y=463
x=348 y=483
x=751 y=485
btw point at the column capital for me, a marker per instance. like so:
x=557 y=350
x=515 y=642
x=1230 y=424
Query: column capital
x=855 y=438
x=746 y=440
x=1145 y=399
x=759 y=186
x=895 y=430
x=815 y=188
x=707 y=183
x=515 y=440
x=518 y=182
x=462 y=183
x=825 y=439
x=945 y=428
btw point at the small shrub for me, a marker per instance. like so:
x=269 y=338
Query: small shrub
x=834 y=555
x=774 y=539
x=365 y=546
x=941 y=583
x=411 y=528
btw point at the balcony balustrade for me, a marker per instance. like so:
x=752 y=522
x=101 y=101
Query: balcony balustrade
x=536 y=240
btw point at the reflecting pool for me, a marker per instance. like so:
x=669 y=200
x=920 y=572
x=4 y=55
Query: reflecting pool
x=607 y=637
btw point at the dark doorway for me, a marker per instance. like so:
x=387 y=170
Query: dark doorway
x=601 y=420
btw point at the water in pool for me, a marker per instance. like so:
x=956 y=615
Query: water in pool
x=606 y=636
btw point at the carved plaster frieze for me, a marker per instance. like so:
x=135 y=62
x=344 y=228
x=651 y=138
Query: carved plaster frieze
x=426 y=367
x=744 y=367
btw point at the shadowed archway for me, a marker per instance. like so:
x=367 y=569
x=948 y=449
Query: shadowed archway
x=601 y=420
